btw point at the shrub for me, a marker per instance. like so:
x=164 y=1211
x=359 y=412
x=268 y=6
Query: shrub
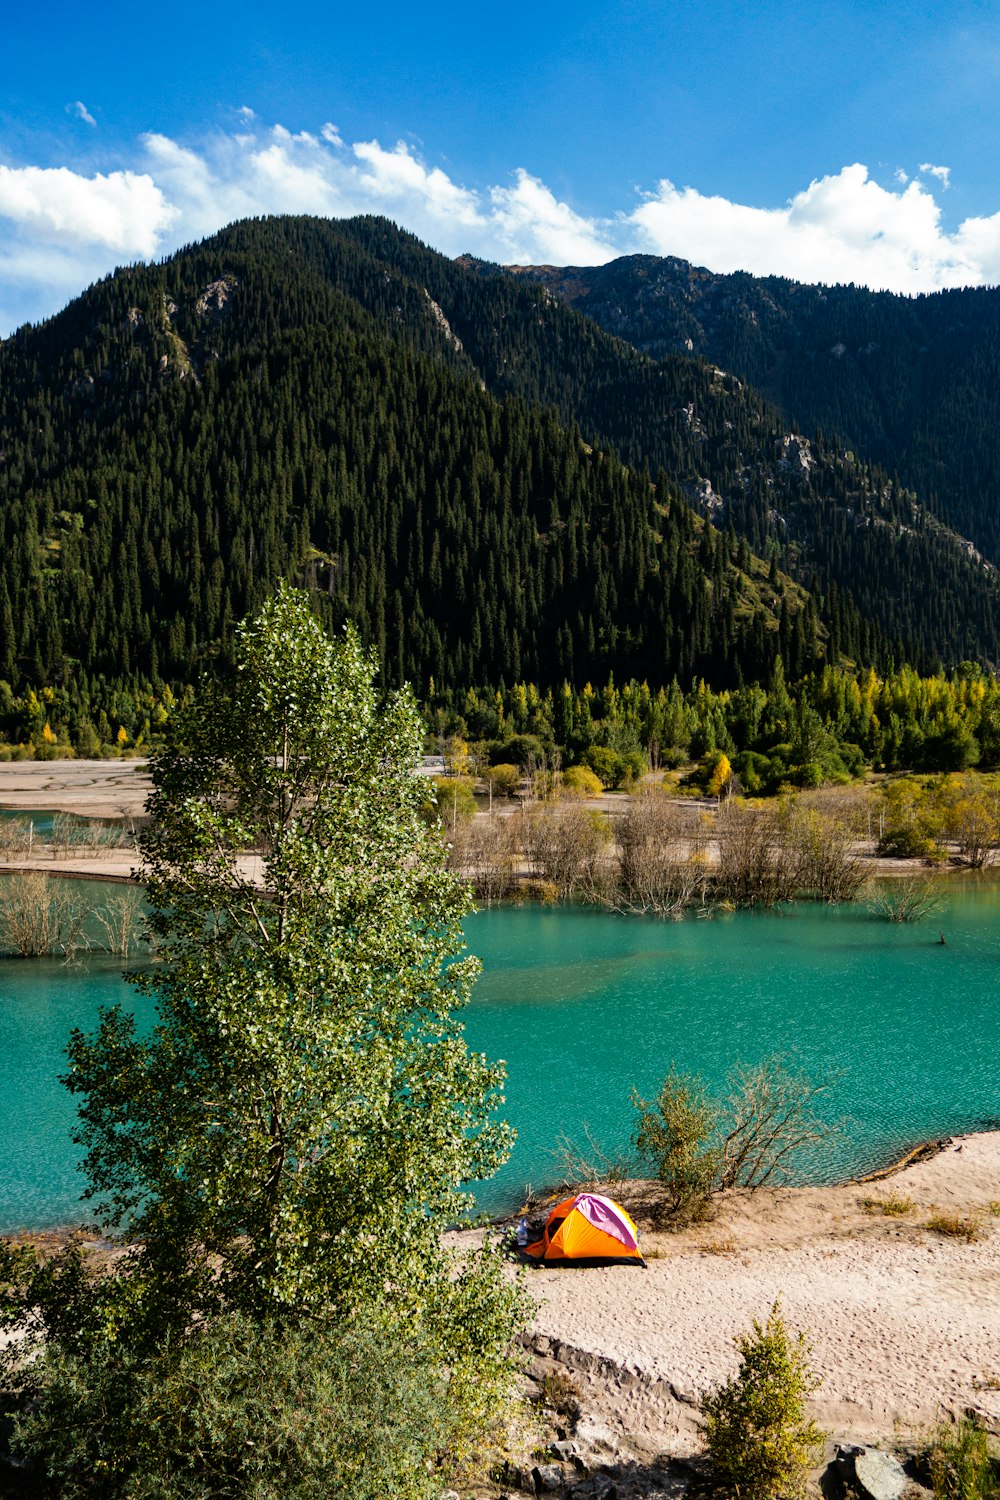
x=672 y=758
x=699 y=1146
x=564 y=842
x=753 y=769
x=957 y=1227
x=759 y=1441
x=39 y=916
x=758 y=864
x=907 y=843
x=675 y=1132
x=607 y=764
x=660 y=855
x=453 y=801
x=238 y=1408
x=905 y=899
x=769 y=1122
x=560 y=1393
x=636 y=765
x=895 y=1206
x=543 y=892
x=503 y=780
x=961 y=1464
x=580 y=781
x=521 y=751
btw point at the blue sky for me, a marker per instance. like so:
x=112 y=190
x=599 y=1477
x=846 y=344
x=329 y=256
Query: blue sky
x=842 y=141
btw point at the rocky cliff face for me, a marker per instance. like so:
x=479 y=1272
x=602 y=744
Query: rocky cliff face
x=909 y=383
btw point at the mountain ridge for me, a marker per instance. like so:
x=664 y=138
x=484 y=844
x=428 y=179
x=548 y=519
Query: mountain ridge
x=404 y=421
x=909 y=383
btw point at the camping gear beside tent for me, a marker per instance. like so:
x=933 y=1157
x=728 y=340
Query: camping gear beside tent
x=587 y=1230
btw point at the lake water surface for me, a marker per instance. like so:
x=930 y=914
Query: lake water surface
x=585 y=1006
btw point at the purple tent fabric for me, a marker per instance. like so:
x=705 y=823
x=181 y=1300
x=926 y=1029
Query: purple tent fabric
x=604 y=1214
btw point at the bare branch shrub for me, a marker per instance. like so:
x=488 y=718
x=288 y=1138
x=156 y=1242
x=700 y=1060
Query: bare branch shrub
x=905 y=899
x=855 y=807
x=120 y=919
x=772 y=1123
x=564 y=842
x=15 y=837
x=108 y=833
x=758 y=864
x=661 y=862
x=486 y=851
x=66 y=833
x=590 y=1165
x=826 y=865
x=38 y=917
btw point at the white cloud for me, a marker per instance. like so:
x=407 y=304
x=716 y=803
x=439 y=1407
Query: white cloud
x=943 y=174
x=538 y=228
x=123 y=211
x=81 y=111
x=844 y=227
x=60 y=229
x=246 y=113
x=397 y=179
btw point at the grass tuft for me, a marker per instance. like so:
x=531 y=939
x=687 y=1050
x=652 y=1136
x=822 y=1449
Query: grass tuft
x=560 y=1393
x=957 y=1227
x=892 y=1207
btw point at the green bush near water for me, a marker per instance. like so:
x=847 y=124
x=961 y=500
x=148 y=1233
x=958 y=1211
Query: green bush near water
x=698 y=1145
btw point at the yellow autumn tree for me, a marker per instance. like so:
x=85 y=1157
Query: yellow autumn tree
x=721 y=776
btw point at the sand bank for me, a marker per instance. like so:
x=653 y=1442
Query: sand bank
x=904 y=1322
x=89 y=788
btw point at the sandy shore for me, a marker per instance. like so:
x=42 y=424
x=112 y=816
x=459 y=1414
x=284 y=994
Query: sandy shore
x=904 y=1322
x=118 y=789
x=89 y=788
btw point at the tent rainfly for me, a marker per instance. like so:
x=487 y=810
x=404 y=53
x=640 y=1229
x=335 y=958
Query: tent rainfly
x=587 y=1230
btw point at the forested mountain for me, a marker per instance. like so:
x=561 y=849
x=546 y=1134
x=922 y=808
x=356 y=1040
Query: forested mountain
x=909 y=383
x=186 y=434
x=440 y=450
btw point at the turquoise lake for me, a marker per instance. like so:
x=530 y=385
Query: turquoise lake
x=584 y=1006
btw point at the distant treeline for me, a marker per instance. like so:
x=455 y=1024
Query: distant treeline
x=827 y=727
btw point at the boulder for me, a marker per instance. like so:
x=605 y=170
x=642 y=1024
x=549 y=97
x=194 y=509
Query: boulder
x=877 y=1475
x=595 y=1436
x=599 y=1487
x=548 y=1478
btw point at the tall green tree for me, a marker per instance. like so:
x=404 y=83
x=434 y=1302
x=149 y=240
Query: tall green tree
x=296 y=1131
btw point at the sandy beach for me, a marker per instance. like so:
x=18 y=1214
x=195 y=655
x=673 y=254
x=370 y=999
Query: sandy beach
x=89 y=788
x=114 y=789
x=904 y=1322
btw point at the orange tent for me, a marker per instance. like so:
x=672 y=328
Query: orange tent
x=588 y=1230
